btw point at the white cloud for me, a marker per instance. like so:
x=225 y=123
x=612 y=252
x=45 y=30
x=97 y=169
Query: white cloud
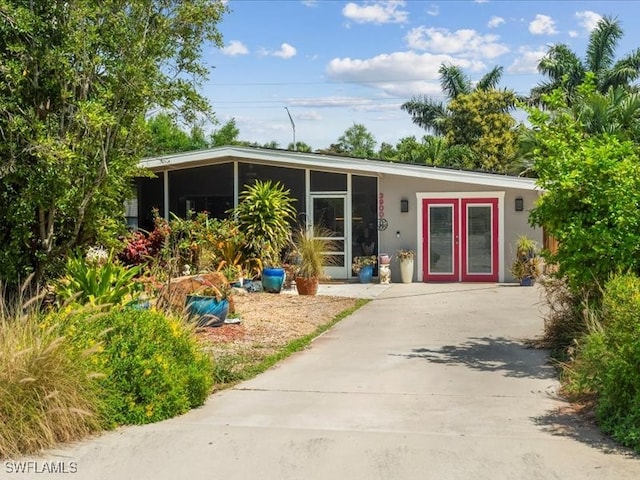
x=286 y=51
x=378 y=12
x=234 y=48
x=310 y=116
x=543 y=25
x=433 y=10
x=310 y=3
x=588 y=19
x=480 y=1
x=466 y=42
x=527 y=61
x=399 y=73
x=495 y=21
x=573 y=33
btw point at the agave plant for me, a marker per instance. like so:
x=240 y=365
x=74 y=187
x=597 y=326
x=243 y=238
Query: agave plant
x=97 y=282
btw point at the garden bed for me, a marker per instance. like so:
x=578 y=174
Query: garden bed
x=270 y=321
x=271 y=325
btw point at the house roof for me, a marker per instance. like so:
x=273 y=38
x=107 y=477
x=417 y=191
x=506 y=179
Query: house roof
x=331 y=162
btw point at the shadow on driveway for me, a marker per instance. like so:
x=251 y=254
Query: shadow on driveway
x=487 y=354
x=566 y=422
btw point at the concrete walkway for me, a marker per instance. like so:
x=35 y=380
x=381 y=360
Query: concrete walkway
x=424 y=382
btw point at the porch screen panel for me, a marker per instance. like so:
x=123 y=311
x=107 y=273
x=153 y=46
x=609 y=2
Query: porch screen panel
x=293 y=180
x=150 y=195
x=364 y=222
x=328 y=181
x=200 y=189
x=479 y=239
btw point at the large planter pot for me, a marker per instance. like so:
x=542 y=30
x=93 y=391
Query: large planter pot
x=207 y=311
x=307 y=286
x=273 y=279
x=406 y=270
x=366 y=274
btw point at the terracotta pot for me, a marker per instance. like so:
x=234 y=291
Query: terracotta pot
x=307 y=286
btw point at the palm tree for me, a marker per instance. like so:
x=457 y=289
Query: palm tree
x=431 y=114
x=566 y=70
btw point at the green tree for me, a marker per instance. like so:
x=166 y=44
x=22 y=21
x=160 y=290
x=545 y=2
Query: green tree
x=78 y=79
x=615 y=112
x=226 y=135
x=591 y=185
x=481 y=121
x=299 y=147
x=166 y=136
x=432 y=114
x=566 y=70
x=357 y=141
x=387 y=152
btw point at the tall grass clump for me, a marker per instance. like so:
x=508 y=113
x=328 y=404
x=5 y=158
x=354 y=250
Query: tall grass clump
x=46 y=395
x=606 y=368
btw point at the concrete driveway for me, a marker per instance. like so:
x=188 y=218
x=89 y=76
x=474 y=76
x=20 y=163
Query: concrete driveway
x=424 y=382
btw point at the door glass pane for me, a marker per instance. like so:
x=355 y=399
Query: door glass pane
x=329 y=213
x=479 y=239
x=335 y=260
x=441 y=239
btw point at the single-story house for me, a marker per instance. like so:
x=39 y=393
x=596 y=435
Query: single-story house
x=462 y=225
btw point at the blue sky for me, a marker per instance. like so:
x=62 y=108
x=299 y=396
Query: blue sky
x=335 y=63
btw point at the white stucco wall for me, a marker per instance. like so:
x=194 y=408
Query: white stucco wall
x=397 y=187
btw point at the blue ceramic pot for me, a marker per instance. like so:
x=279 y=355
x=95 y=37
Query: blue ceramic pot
x=272 y=279
x=366 y=274
x=527 y=281
x=207 y=311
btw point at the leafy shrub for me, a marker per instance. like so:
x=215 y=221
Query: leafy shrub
x=86 y=281
x=590 y=201
x=153 y=363
x=142 y=248
x=46 y=395
x=607 y=363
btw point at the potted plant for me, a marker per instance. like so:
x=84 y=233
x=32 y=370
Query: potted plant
x=527 y=265
x=311 y=249
x=208 y=306
x=264 y=214
x=363 y=267
x=406 y=265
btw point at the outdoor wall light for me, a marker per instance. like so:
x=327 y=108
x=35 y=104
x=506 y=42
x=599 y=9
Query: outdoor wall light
x=519 y=204
x=404 y=205
x=398 y=234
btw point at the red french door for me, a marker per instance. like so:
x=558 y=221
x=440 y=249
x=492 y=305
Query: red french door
x=460 y=240
x=441 y=258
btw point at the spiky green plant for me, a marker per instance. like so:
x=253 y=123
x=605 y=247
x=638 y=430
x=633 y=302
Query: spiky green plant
x=264 y=215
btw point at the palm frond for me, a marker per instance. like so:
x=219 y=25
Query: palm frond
x=453 y=80
x=490 y=80
x=625 y=71
x=602 y=45
x=426 y=113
